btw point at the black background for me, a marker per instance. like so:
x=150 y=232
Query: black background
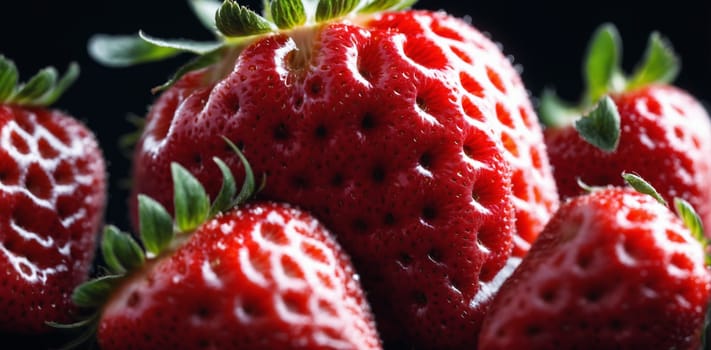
x=547 y=39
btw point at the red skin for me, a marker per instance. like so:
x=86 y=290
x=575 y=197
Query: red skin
x=52 y=198
x=665 y=138
x=386 y=135
x=266 y=276
x=611 y=270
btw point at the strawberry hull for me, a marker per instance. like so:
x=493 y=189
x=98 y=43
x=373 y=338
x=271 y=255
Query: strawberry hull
x=393 y=136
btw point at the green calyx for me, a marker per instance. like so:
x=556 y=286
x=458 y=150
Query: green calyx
x=693 y=222
x=43 y=89
x=684 y=210
x=601 y=127
x=159 y=234
x=604 y=76
x=642 y=186
x=233 y=25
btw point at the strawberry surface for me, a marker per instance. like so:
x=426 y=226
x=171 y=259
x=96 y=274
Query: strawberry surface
x=264 y=276
x=647 y=126
x=52 y=197
x=408 y=134
x=665 y=138
x=612 y=270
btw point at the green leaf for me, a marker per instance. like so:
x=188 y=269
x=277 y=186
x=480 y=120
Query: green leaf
x=127 y=142
x=107 y=251
x=191 y=202
x=235 y=20
x=126 y=50
x=8 y=78
x=42 y=89
x=156 y=225
x=287 y=13
x=267 y=11
x=79 y=324
x=127 y=251
x=602 y=61
x=555 y=112
x=228 y=190
x=205 y=11
x=690 y=218
x=88 y=329
x=384 y=5
x=184 y=45
x=226 y=198
x=248 y=186
x=403 y=5
x=706 y=330
x=36 y=87
x=120 y=251
x=93 y=293
x=331 y=9
x=601 y=128
x=587 y=188
x=642 y=186
x=195 y=64
x=660 y=64
x=60 y=87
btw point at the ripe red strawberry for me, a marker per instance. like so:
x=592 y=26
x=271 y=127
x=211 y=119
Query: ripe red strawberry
x=261 y=276
x=664 y=133
x=614 y=269
x=52 y=197
x=405 y=132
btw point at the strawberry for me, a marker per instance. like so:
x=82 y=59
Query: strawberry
x=52 y=198
x=613 y=269
x=407 y=133
x=258 y=276
x=651 y=125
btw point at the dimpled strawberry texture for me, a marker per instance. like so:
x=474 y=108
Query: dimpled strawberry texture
x=490 y=90
x=52 y=193
x=611 y=270
x=410 y=136
x=665 y=138
x=266 y=276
